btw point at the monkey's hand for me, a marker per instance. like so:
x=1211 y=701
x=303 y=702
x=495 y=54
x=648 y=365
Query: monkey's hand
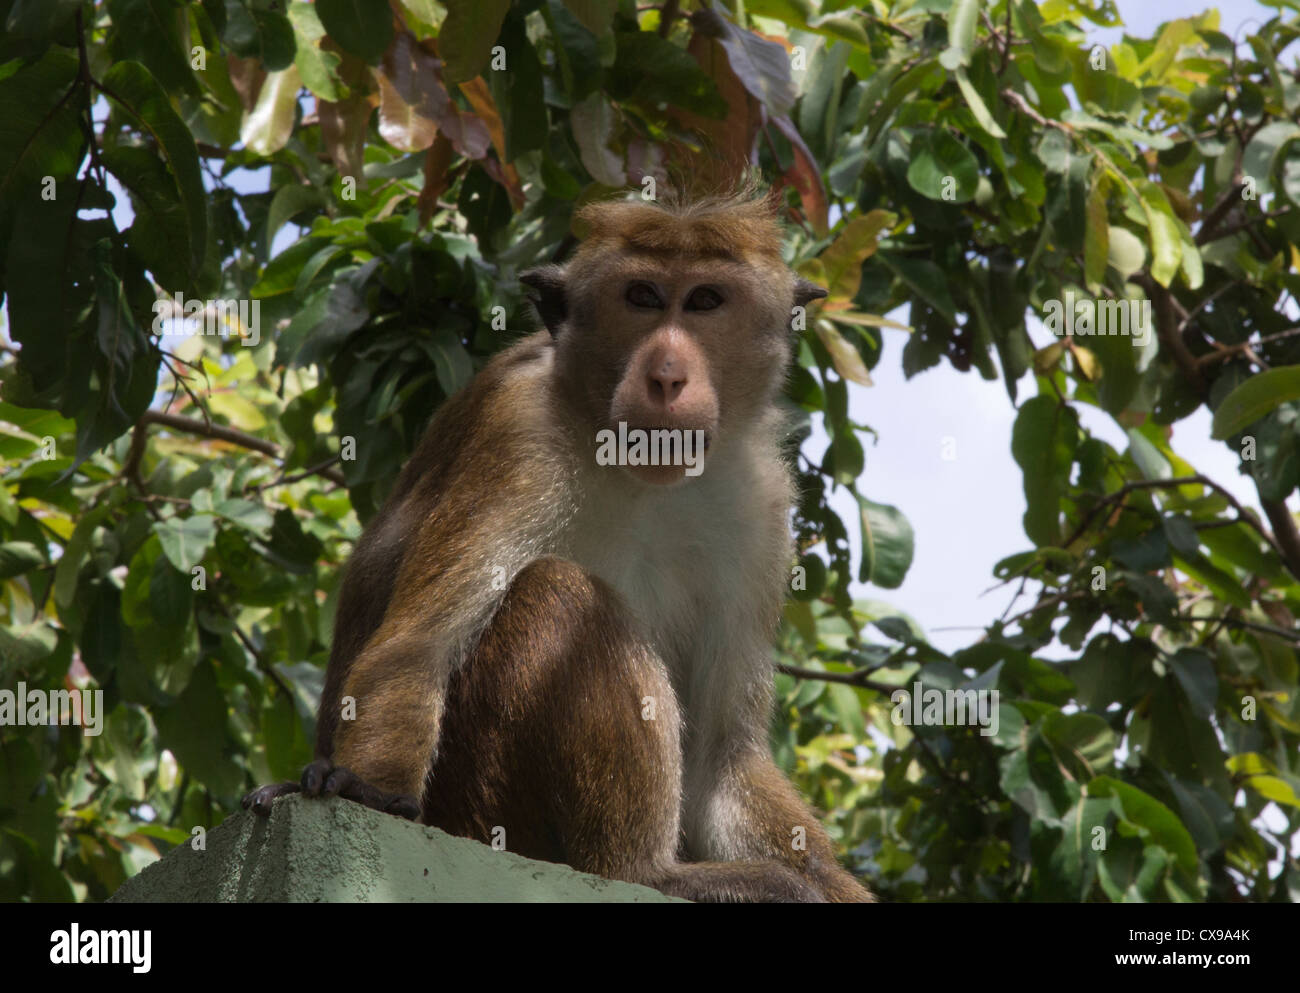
x=323 y=778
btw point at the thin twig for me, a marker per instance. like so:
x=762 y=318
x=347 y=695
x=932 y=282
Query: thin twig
x=847 y=678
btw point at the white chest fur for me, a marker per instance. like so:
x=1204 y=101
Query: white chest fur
x=699 y=565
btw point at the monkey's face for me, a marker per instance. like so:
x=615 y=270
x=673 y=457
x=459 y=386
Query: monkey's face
x=671 y=320
x=680 y=353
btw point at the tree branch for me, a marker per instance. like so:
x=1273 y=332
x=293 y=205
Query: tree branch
x=1244 y=516
x=858 y=678
x=221 y=433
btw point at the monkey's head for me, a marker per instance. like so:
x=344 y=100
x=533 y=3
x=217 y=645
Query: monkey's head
x=673 y=317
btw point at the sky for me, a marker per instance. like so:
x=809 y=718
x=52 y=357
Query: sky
x=967 y=512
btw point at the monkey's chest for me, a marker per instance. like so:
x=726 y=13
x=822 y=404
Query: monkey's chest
x=681 y=578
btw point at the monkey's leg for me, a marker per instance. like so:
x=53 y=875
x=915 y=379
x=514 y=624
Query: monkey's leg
x=561 y=741
x=748 y=809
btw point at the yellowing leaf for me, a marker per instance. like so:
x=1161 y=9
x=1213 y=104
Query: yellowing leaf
x=848 y=362
x=839 y=311
x=267 y=126
x=241 y=412
x=1096 y=237
x=1087 y=362
x=1163 y=231
x=842 y=260
x=1277 y=790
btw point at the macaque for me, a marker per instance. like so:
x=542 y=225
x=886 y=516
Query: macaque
x=560 y=622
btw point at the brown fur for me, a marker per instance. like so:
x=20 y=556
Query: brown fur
x=509 y=614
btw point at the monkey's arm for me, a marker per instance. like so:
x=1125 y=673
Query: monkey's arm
x=496 y=514
x=479 y=500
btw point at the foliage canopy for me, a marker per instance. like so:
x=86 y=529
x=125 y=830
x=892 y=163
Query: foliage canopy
x=368 y=178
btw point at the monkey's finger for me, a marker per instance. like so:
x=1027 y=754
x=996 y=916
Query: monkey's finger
x=402 y=805
x=313 y=777
x=340 y=781
x=259 y=800
x=359 y=791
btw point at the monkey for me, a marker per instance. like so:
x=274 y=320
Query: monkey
x=577 y=649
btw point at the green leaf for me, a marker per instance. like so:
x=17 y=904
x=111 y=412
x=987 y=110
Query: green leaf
x=1195 y=673
x=519 y=93
x=1151 y=462
x=926 y=280
x=963 y=15
x=1157 y=821
x=25 y=645
x=1125 y=251
x=248 y=515
x=160 y=234
x=365 y=27
x=1053 y=151
x=149 y=31
x=942 y=168
x=451 y=362
x=467 y=36
x=276 y=39
x=17 y=557
x=593 y=122
x=40 y=18
x=194 y=728
x=847 y=708
x=1254 y=398
x=136 y=95
x=1164 y=234
x=1043 y=441
x=652 y=70
x=1261 y=154
x=185 y=540
x=74 y=553
x=289 y=200
x=1096 y=237
x=887 y=544
x=169 y=593
x=1084 y=743
x=977 y=105
x=317 y=67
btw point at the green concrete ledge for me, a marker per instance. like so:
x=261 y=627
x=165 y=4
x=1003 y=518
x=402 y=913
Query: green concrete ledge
x=336 y=851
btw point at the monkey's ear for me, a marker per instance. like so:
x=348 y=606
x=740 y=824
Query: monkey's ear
x=805 y=292
x=547 y=282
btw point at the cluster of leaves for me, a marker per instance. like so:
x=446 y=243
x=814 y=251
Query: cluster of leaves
x=1164 y=170
x=174 y=511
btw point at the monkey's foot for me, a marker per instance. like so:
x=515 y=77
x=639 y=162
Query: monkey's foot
x=324 y=778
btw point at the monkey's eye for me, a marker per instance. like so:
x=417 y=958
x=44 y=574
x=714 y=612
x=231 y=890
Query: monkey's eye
x=644 y=295
x=703 y=298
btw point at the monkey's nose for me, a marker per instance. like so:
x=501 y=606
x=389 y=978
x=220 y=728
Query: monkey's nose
x=665 y=383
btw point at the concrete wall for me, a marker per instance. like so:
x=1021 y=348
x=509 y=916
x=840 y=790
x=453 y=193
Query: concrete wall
x=335 y=851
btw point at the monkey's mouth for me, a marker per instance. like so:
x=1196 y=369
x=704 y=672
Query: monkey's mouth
x=654 y=452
